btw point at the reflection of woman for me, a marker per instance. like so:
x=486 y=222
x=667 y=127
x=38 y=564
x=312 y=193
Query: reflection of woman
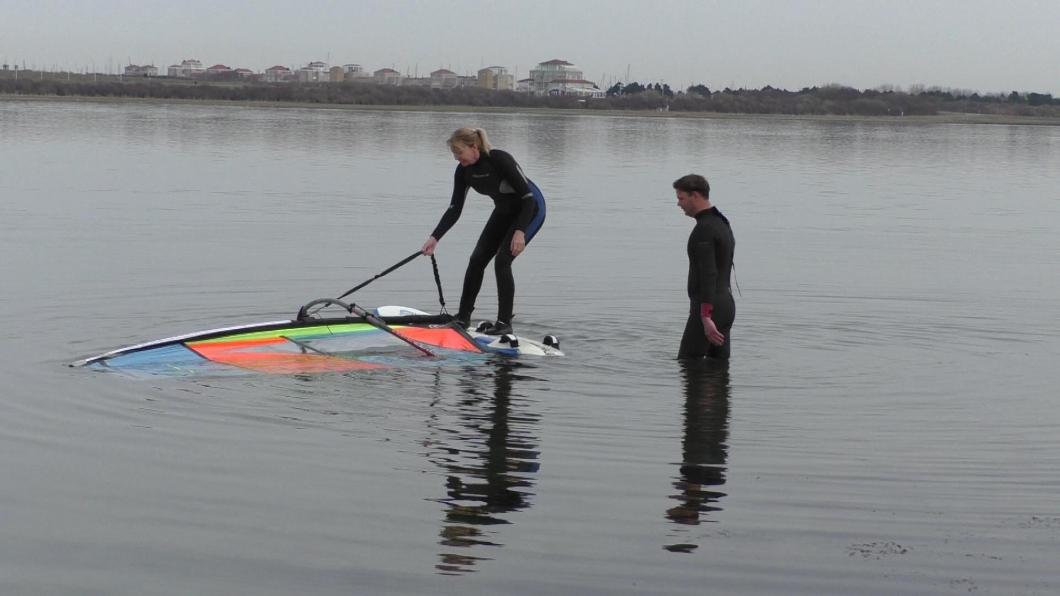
x=705 y=446
x=489 y=458
x=518 y=212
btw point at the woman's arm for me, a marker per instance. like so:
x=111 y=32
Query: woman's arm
x=456 y=206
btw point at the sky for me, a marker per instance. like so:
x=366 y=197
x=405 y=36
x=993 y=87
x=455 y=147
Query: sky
x=977 y=45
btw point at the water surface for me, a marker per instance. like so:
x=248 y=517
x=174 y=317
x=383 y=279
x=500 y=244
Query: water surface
x=887 y=424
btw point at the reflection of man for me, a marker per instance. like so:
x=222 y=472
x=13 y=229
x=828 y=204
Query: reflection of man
x=710 y=250
x=705 y=447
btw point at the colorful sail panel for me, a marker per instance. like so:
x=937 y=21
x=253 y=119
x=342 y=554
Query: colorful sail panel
x=289 y=347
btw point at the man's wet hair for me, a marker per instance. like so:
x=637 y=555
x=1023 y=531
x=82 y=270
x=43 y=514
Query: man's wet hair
x=693 y=183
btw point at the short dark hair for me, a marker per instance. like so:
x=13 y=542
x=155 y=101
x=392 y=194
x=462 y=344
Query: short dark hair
x=693 y=183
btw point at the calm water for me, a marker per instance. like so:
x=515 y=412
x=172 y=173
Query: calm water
x=888 y=423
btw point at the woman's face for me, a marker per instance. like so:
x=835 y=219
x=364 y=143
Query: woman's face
x=465 y=154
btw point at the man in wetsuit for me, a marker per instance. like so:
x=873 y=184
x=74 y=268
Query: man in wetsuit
x=518 y=213
x=710 y=250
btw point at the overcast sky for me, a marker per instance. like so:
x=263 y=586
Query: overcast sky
x=982 y=45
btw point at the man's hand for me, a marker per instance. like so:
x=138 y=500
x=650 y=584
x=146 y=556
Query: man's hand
x=713 y=335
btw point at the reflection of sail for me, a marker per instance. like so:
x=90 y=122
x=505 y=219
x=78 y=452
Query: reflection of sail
x=705 y=445
x=489 y=454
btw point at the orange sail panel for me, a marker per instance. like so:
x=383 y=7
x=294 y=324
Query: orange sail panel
x=275 y=355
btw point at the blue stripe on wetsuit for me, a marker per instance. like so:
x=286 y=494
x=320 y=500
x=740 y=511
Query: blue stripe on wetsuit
x=539 y=215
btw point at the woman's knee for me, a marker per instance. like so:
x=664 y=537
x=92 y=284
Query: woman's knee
x=503 y=260
x=479 y=259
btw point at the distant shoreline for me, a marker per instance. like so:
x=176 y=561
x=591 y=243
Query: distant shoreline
x=940 y=118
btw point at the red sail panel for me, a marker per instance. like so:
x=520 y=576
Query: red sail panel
x=442 y=337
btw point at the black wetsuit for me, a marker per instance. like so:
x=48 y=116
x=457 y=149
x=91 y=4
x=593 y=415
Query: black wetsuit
x=710 y=249
x=517 y=205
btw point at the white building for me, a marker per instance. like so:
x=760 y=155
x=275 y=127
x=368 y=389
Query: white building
x=559 y=77
x=355 y=72
x=314 y=72
x=577 y=87
x=444 y=79
x=187 y=69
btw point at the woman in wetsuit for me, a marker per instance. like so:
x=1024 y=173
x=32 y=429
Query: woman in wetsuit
x=518 y=212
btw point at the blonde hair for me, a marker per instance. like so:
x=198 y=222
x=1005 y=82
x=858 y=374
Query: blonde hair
x=472 y=137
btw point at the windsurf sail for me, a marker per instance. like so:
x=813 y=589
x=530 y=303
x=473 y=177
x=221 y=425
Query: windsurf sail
x=359 y=340
x=301 y=345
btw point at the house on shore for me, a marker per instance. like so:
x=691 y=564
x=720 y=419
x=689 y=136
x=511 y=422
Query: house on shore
x=314 y=72
x=387 y=76
x=444 y=79
x=187 y=69
x=277 y=74
x=218 y=70
x=355 y=73
x=496 y=78
x=559 y=77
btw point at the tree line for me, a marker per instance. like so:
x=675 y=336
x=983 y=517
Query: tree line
x=829 y=100
x=824 y=100
x=318 y=93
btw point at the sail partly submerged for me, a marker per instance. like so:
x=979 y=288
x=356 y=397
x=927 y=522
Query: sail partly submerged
x=304 y=345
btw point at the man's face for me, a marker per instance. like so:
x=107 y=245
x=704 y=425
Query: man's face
x=689 y=202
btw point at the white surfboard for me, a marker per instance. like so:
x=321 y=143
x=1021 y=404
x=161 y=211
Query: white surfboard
x=508 y=344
